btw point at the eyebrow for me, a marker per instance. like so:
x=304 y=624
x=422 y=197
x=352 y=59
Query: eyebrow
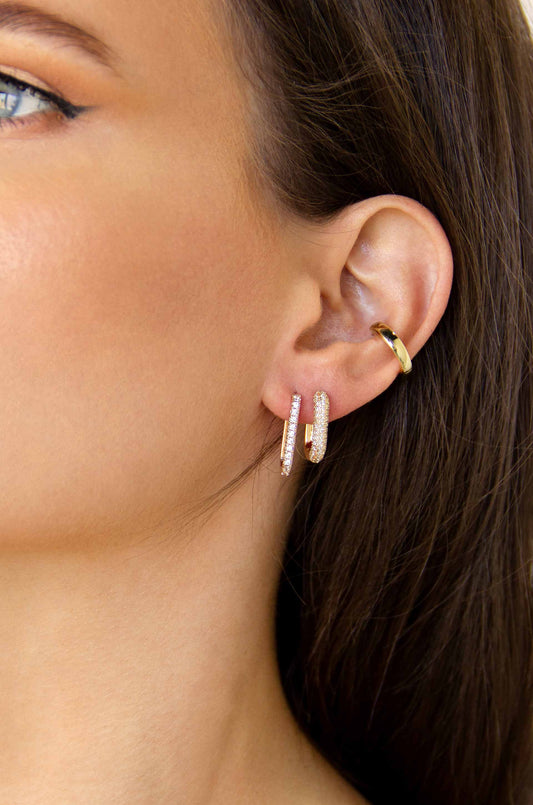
x=34 y=21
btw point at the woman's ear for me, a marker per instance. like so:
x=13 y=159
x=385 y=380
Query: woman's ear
x=385 y=258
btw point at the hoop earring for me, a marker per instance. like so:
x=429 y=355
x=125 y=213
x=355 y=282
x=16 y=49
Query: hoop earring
x=316 y=435
x=289 y=435
x=395 y=343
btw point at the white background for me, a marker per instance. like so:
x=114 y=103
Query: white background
x=528 y=5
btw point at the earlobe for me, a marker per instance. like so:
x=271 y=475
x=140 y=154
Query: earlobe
x=385 y=259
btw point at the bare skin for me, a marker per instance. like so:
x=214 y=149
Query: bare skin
x=156 y=312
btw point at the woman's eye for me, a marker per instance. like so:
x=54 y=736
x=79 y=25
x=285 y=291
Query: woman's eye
x=20 y=101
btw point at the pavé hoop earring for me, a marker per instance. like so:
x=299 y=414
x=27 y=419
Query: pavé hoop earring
x=395 y=343
x=289 y=435
x=316 y=435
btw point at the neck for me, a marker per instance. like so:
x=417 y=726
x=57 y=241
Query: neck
x=147 y=672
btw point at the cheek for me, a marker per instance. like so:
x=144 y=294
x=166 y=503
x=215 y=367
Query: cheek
x=129 y=327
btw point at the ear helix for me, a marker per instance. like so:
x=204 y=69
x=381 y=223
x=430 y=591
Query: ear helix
x=316 y=435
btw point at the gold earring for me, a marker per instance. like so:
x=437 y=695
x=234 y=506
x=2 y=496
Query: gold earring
x=316 y=435
x=289 y=435
x=395 y=343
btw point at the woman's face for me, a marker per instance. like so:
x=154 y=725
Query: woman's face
x=140 y=275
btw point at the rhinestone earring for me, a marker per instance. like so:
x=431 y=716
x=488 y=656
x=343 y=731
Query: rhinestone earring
x=289 y=435
x=316 y=435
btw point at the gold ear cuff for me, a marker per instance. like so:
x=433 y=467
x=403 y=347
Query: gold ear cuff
x=395 y=343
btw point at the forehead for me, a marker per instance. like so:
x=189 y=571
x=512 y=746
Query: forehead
x=167 y=33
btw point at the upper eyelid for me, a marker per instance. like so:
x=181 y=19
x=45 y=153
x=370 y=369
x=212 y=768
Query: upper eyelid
x=67 y=108
x=26 y=87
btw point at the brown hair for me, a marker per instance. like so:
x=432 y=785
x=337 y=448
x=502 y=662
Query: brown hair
x=404 y=608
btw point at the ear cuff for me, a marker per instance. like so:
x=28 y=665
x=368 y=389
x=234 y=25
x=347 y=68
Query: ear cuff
x=395 y=343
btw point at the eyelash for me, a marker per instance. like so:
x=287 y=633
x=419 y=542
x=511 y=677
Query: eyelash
x=65 y=109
